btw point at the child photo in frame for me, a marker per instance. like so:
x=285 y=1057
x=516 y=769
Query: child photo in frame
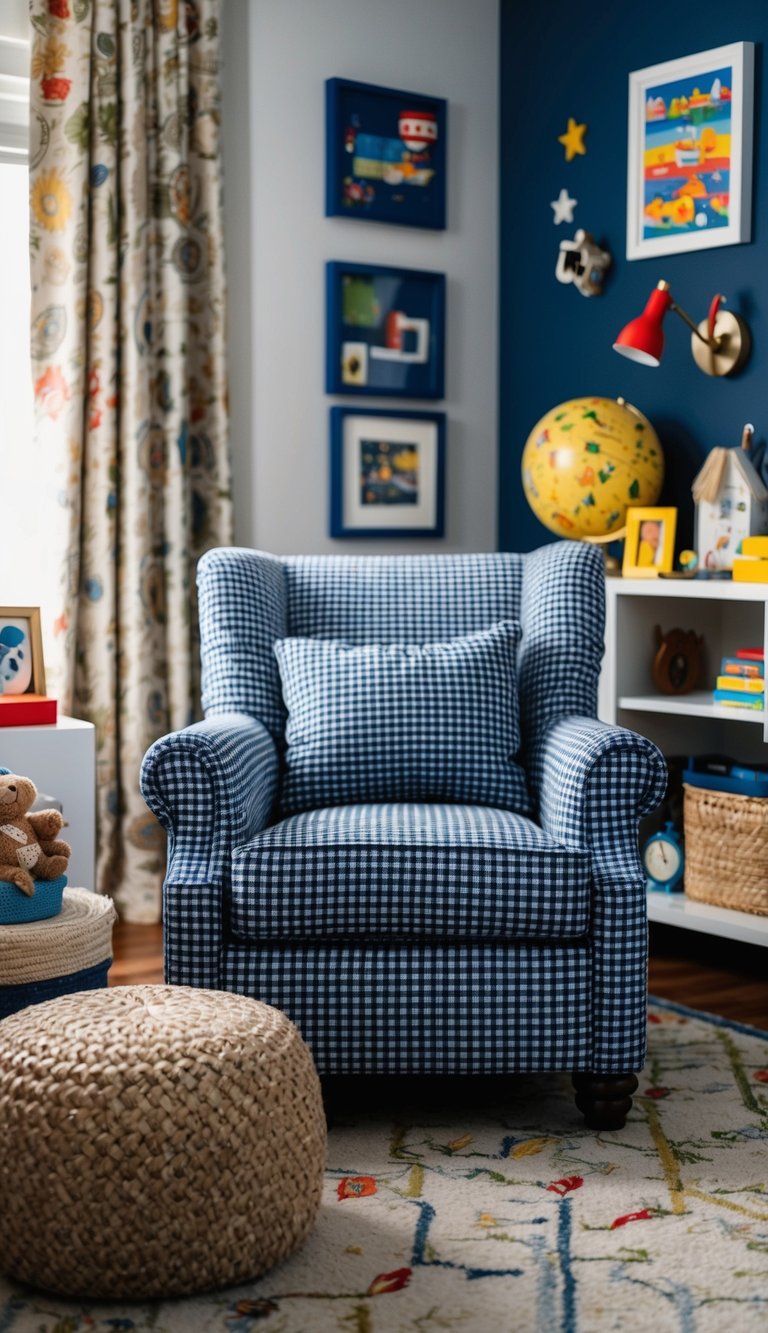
x=649 y=546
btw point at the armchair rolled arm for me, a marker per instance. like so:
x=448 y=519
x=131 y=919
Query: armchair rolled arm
x=595 y=783
x=211 y=786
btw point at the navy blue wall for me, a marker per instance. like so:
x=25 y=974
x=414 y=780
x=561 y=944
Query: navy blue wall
x=560 y=60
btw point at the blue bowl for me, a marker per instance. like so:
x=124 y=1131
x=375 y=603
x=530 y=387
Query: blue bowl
x=16 y=907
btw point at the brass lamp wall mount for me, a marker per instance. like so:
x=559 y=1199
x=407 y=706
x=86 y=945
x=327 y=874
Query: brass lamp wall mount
x=720 y=344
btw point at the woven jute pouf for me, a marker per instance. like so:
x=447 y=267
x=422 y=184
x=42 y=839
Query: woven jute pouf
x=156 y=1141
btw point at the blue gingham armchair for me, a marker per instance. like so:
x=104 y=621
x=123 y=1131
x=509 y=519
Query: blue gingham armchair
x=405 y=939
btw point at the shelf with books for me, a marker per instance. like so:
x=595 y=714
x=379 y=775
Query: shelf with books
x=728 y=616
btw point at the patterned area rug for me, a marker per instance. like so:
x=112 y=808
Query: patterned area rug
x=453 y=1214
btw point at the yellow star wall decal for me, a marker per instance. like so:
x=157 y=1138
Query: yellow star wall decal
x=573 y=139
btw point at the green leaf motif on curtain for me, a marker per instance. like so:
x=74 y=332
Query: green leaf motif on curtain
x=160 y=201
x=80 y=9
x=108 y=123
x=78 y=127
x=112 y=221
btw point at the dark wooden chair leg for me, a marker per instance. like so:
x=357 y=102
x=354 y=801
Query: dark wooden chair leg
x=604 y=1099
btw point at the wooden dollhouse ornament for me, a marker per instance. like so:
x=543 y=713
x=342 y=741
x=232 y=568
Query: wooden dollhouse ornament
x=731 y=504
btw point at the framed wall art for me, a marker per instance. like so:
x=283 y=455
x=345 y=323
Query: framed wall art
x=387 y=473
x=385 y=154
x=689 y=161
x=22 y=670
x=385 y=331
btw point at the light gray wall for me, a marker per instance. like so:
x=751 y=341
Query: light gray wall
x=277 y=55
x=14 y=19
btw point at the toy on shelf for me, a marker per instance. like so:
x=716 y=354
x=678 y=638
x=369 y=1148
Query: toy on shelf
x=718 y=772
x=731 y=504
x=28 y=841
x=750 y=565
x=677 y=664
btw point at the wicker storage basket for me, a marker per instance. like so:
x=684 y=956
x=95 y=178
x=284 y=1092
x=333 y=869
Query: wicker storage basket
x=726 y=849
x=69 y=952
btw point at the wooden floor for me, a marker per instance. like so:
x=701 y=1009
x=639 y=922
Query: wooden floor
x=718 y=976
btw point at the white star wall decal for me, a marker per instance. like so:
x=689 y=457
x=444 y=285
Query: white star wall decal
x=563 y=206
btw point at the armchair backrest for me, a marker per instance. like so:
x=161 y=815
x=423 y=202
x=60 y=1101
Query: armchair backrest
x=248 y=599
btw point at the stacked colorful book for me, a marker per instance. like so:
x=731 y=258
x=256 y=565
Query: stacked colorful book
x=741 y=683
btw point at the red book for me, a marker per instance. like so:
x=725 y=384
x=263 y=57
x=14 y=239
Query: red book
x=751 y=654
x=26 y=710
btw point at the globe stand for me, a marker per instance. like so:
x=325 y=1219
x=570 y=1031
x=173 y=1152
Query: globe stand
x=612 y=566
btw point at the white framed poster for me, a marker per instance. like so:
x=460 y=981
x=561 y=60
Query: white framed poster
x=689 y=157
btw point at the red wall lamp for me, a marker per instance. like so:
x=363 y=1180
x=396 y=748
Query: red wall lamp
x=720 y=344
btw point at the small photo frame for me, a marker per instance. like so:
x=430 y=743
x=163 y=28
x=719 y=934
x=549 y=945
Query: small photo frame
x=387 y=473
x=385 y=154
x=385 y=331
x=689 y=160
x=649 y=546
x=22 y=670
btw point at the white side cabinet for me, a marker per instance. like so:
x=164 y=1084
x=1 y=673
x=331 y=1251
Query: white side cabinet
x=729 y=616
x=61 y=761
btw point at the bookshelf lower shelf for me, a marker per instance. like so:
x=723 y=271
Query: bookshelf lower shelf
x=674 y=909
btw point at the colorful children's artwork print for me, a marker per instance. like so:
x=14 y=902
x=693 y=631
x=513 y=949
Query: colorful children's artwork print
x=384 y=331
x=385 y=154
x=387 y=473
x=690 y=153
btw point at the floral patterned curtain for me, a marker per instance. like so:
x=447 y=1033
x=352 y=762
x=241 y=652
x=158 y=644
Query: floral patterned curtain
x=128 y=309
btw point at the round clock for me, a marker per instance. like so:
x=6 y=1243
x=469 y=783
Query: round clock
x=663 y=860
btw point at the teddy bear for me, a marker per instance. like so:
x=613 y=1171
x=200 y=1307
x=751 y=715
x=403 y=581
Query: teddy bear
x=28 y=842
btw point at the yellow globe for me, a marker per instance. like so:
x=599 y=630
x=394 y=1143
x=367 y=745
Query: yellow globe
x=586 y=462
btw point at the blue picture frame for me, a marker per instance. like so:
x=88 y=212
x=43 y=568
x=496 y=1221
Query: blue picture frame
x=385 y=154
x=385 y=331
x=405 y=498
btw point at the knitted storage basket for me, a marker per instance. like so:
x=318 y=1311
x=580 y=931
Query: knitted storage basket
x=44 y=902
x=157 y=1141
x=71 y=951
x=726 y=849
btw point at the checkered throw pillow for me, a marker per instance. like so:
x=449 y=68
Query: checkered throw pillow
x=402 y=722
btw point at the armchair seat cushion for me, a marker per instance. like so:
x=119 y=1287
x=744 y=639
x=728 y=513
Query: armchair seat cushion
x=408 y=871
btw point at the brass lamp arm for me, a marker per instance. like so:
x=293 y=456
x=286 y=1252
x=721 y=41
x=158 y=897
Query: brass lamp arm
x=709 y=342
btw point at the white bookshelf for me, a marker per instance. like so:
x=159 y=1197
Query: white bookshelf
x=729 y=616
